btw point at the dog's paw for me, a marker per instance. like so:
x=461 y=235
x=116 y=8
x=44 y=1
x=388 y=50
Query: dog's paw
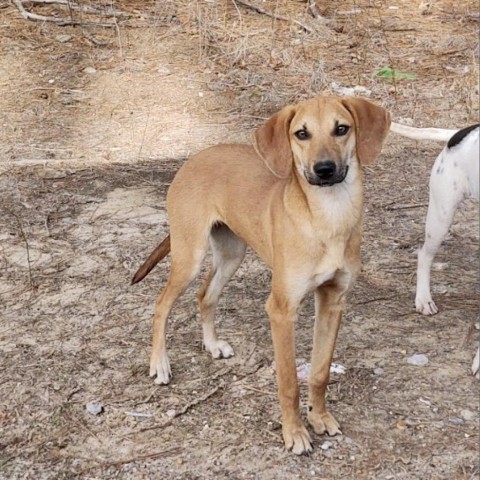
x=476 y=365
x=160 y=367
x=219 y=349
x=323 y=422
x=426 y=306
x=297 y=439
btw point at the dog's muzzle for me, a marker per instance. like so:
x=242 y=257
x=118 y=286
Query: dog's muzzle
x=326 y=174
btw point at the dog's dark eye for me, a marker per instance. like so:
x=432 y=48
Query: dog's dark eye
x=341 y=130
x=302 y=134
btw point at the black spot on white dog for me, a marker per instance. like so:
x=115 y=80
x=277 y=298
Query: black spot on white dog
x=460 y=135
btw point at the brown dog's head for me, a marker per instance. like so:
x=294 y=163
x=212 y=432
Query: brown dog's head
x=321 y=137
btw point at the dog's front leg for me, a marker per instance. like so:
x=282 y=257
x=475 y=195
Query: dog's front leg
x=282 y=321
x=329 y=302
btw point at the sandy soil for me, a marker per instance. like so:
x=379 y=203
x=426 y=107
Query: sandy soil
x=94 y=128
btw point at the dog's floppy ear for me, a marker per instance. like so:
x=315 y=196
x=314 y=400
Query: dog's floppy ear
x=271 y=142
x=372 y=124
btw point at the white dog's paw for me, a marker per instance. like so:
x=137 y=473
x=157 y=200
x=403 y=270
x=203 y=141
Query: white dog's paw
x=219 y=349
x=160 y=366
x=476 y=364
x=426 y=306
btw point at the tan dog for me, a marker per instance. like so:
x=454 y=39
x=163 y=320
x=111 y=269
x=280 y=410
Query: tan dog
x=296 y=198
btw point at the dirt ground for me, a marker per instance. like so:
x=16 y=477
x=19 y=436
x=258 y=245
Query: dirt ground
x=96 y=120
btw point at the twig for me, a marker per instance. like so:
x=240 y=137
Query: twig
x=313 y=9
x=170 y=451
x=59 y=21
x=263 y=392
x=70 y=9
x=273 y=15
x=144 y=132
x=374 y=300
x=139 y=414
x=185 y=408
x=405 y=207
x=27 y=246
x=92 y=9
x=103 y=9
x=120 y=48
x=469 y=333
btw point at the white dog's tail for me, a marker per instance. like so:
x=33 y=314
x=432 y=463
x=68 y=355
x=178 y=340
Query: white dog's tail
x=437 y=134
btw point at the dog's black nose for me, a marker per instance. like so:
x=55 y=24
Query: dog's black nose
x=324 y=170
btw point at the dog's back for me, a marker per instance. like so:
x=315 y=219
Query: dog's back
x=457 y=166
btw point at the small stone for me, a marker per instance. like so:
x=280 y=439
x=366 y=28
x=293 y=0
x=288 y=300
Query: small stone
x=362 y=91
x=456 y=421
x=164 y=71
x=337 y=368
x=170 y=413
x=467 y=414
x=326 y=445
x=89 y=70
x=419 y=359
x=95 y=408
x=378 y=371
x=63 y=38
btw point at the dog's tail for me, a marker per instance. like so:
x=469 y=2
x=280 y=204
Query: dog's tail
x=436 y=134
x=160 y=252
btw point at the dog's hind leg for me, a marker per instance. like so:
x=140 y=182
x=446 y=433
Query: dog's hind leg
x=186 y=262
x=442 y=206
x=227 y=254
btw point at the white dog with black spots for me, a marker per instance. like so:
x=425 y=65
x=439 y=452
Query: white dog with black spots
x=454 y=177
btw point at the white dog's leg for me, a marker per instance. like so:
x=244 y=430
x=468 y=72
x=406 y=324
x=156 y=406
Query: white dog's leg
x=444 y=200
